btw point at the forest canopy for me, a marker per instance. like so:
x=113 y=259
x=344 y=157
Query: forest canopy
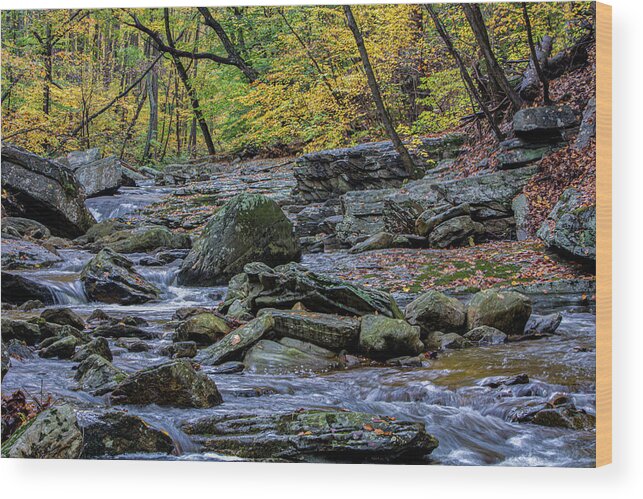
x=156 y=85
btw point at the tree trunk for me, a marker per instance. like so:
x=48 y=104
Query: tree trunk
x=536 y=60
x=476 y=21
x=385 y=118
x=49 y=76
x=473 y=91
x=153 y=98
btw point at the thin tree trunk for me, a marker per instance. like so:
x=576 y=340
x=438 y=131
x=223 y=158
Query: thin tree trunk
x=407 y=161
x=49 y=77
x=534 y=56
x=463 y=70
x=153 y=98
x=476 y=21
x=128 y=133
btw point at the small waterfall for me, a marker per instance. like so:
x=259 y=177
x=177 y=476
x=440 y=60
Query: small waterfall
x=161 y=277
x=67 y=292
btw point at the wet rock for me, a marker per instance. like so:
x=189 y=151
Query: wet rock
x=98 y=375
x=31 y=305
x=99 y=177
x=116 y=432
x=559 y=412
x=175 y=384
x=334 y=332
x=458 y=231
x=111 y=278
x=204 y=329
x=314 y=436
x=50 y=331
x=164 y=257
x=17 y=350
x=384 y=338
x=231 y=367
x=43 y=190
x=543 y=324
x=504 y=310
x=383 y=240
x=63 y=316
x=450 y=341
x=21 y=254
x=102 y=229
x=543 y=122
x=64 y=348
x=120 y=330
x=132 y=345
x=142 y=240
x=284 y=286
x=498 y=381
x=520 y=207
x=185 y=313
x=76 y=159
x=248 y=228
x=52 y=434
x=571 y=226
x=97 y=346
x=17 y=289
x=98 y=316
x=287 y=356
x=24 y=228
x=21 y=331
x=486 y=335
x=435 y=311
x=181 y=349
x=235 y=343
x=407 y=361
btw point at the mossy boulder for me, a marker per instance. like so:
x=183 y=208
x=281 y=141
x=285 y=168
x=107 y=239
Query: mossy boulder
x=249 y=228
x=142 y=240
x=20 y=330
x=98 y=375
x=111 y=278
x=507 y=311
x=204 y=329
x=435 y=311
x=289 y=356
x=63 y=316
x=175 y=384
x=385 y=338
x=63 y=348
x=98 y=346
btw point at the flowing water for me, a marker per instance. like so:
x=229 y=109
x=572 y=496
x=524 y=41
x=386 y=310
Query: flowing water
x=469 y=420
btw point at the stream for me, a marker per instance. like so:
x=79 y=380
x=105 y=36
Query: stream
x=469 y=420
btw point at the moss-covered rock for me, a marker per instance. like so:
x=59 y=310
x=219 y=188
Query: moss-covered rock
x=504 y=310
x=97 y=375
x=289 y=356
x=204 y=329
x=98 y=346
x=385 y=338
x=249 y=228
x=435 y=311
x=175 y=384
x=142 y=240
x=63 y=316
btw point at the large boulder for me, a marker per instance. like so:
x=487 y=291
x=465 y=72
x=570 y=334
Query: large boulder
x=334 y=332
x=111 y=278
x=98 y=375
x=384 y=338
x=456 y=231
x=314 y=436
x=52 y=434
x=143 y=239
x=283 y=287
x=435 y=311
x=43 y=190
x=249 y=228
x=175 y=384
x=24 y=228
x=204 y=329
x=289 y=356
x=18 y=289
x=507 y=311
x=543 y=122
x=571 y=226
x=235 y=343
x=63 y=316
x=99 y=177
x=117 y=432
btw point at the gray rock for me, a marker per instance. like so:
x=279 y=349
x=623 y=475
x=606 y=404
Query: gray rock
x=204 y=329
x=111 y=278
x=101 y=177
x=543 y=122
x=64 y=348
x=507 y=311
x=588 y=126
x=384 y=338
x=18 y=254
x=571 y=227
x=498 y=381
x=330 y=331
x=24 y=228
x=234 y=344
x=98 y=375
x=486 y=335
x=175 y=384
x=314 y=436
x=543 y=324
x=43 y=190
x=285 y=286
x=458 y=231
x=52 y=434
x=452 y=341
x=435 y=311
x=520 y=207
x=76 y=159
x=63 y=316
x=289 y=355
x=97 y=346
x=180 y=350
x=6 y=361
x=132 y=344
x=142 y=240
x=120 y=330
x=249 y=228
x=21 y=331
